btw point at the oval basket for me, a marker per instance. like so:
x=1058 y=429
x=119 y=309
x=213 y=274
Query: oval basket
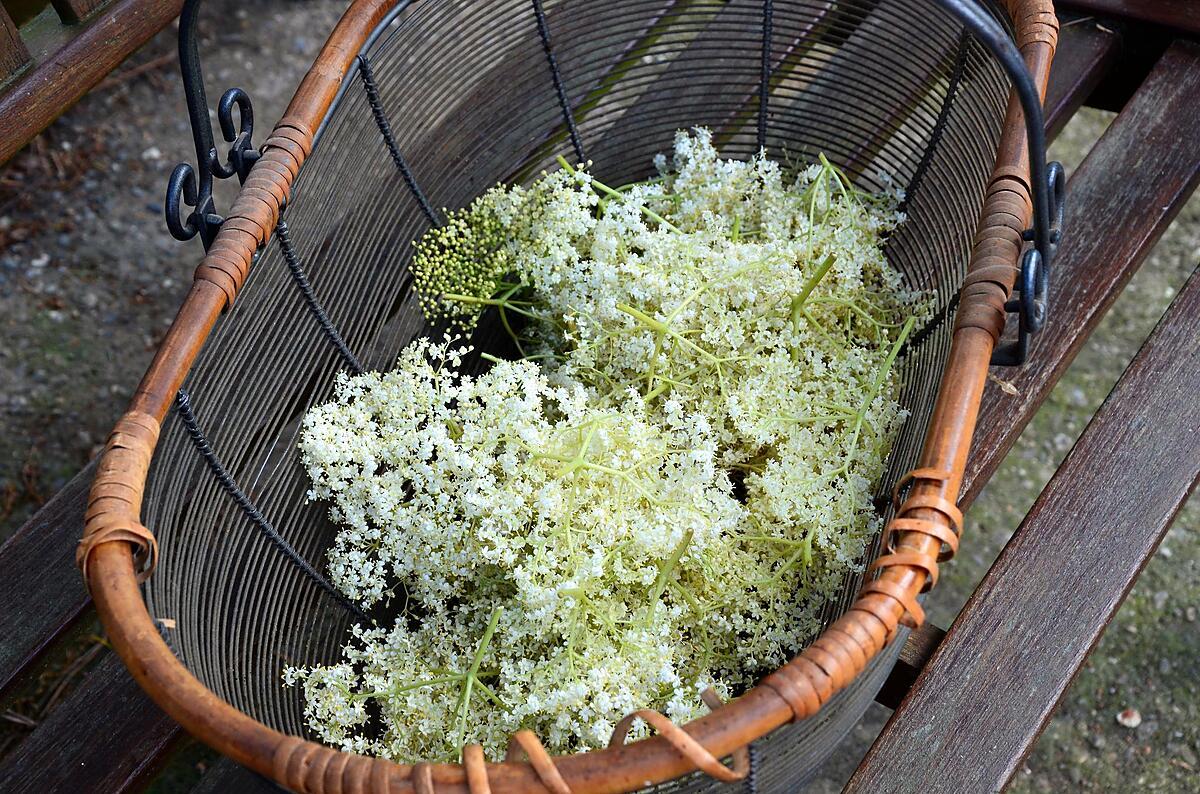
x=413 y=106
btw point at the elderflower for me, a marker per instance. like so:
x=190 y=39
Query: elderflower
x=658 y=498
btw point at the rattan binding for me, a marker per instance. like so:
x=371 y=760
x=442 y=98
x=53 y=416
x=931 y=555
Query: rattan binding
x=118 y=552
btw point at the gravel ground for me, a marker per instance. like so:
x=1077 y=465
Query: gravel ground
x=89 y=281
x=89 y=277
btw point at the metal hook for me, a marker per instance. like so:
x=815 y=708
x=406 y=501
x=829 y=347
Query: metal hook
x=242 y=155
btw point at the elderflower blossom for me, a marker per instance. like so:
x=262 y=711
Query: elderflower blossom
x=658 y=499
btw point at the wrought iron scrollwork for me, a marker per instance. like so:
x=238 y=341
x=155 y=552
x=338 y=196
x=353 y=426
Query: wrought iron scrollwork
x=192 y=187
x=183 y=188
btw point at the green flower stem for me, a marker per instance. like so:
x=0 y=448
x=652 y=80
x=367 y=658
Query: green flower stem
x=848 y=191
x=798 y=312
x=487 y=691
x=511 y=333
x=472 y=675
x=402 y=688
x=810 y=285
x=502 y=303
x=663 y=328
x=664 y=573
x=873 y=392
x=608 y=191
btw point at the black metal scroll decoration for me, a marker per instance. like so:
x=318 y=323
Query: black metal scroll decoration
x=193 y=186
x=1048 y=185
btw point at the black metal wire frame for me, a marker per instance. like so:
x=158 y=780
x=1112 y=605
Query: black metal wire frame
x=314 y=306
x=939 y=125
x=559 y=90
x=751 y=783
x=385 y=129
x=183 y=405
x=918 y=178
x=764 y=85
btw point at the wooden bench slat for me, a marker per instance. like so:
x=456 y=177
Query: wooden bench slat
x=1085 y=54
x=915 y=654
x=227 y=775
x=40 y=587
x=106 y=736
x=1119 y=202
x=1178 y=15
x=992 y=684
x=30 y=102
x=72 y=11
x=13 y=52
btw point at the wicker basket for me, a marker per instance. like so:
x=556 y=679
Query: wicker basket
x=469 y=94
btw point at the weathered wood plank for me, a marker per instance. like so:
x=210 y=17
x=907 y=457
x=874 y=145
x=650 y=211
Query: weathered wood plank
x=13 y=52
x=106 y=736
x=1120 y=201
x=72 y=11
x=991 y=686
x=915 y=654
x=1179 y=15
x=1086 y=52
x=226 y=776
x=40 y=587
x=36 y=98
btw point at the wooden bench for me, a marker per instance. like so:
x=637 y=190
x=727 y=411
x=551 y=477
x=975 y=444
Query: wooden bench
x=962 y=721
x=62 y=50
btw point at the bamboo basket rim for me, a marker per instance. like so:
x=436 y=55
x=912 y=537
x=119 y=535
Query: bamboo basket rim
x=117 y=550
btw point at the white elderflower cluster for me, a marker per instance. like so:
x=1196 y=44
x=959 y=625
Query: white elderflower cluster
x=658 y=498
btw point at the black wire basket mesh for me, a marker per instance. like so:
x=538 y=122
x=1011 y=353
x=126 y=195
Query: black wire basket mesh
x=451 y=98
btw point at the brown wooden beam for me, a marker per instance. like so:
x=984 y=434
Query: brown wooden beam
x=30 y=102
x=106 y=736
x=13 y=53
x=73 y=11
x=993 y=682
x=1182 y=16
x=40 y=588
x=1086 y=53
x=226 y=776
x=915 y=654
